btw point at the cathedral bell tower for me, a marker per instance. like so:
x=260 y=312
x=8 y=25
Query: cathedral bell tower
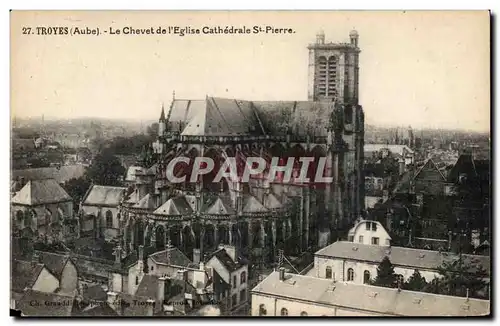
x=333 y=70
x=334 y=78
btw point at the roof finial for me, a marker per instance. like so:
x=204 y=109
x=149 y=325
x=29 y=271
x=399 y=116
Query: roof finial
x=162 y=116
x=173 y=94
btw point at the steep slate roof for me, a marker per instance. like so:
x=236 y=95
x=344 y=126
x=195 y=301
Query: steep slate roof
x=271 y=202
x=302 y=117
x=175 y=206
x=104 y=195
x=147 y=202
x=60 y=305
x=369 y=298
x=39 y=192
x=60 y=174
x=215 y=116
x=148 y=286
x=131 y=172
x=429 y=163
x=219 y=205
x=94 y=293
x=399 y=256
x=221 y=117
x=252 y=205
x=24 y=274
x=177 y=257
x=55 y=263
x=225 y=259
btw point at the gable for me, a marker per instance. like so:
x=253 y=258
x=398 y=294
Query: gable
x=429 y=172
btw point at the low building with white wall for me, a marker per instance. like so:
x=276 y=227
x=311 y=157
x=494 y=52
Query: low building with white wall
x=284 y=294
x=357 y=260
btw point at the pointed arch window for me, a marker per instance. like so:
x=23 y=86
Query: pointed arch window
x=109 y=219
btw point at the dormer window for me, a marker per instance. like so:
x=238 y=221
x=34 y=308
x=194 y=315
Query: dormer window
x=462 y=178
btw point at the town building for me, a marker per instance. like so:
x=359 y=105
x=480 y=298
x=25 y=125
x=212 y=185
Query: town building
x=43 y=209
x=383 y=150
x=232 y=271
x=284 y=294
x=258 y=216
x=100 y=211
x=357 y=259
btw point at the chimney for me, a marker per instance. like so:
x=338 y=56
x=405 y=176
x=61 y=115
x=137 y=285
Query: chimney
x=118 y=256
x=467 y=295
x=282 y=273
x=399 y=284
x=385 y=195
x=150 y=307
x=35 y=259
x=196 y=256
x=401 y=163
x=160 y=296
x=112 y=300
x=388 y=222
x=140 y=259
x=232 y=251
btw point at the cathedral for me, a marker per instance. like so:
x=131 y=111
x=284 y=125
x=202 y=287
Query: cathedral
x=258 y=216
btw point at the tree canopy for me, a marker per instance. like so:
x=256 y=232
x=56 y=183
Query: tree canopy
x=106 y=169
x=416 y=282
x=385 y=274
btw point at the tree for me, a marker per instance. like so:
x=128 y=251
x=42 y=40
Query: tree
x=153 y=130
x=106 y=169
x=459 y=276
x=385 y=274
x=76 y=188
x=416 y=282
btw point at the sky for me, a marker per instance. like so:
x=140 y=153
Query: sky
x=424 y=69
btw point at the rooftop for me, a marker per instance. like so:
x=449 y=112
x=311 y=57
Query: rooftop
x=104 y=196
x=399 y=256
x=39 y=192
x=374 y=299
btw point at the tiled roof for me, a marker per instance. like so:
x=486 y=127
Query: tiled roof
x=55 y=263
x=60 y=174
x=104 y=195
x=399 y=256
x=177 y=257
x=24 y=274
x=48 y=304
x=368 y=298
x=39 y=192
